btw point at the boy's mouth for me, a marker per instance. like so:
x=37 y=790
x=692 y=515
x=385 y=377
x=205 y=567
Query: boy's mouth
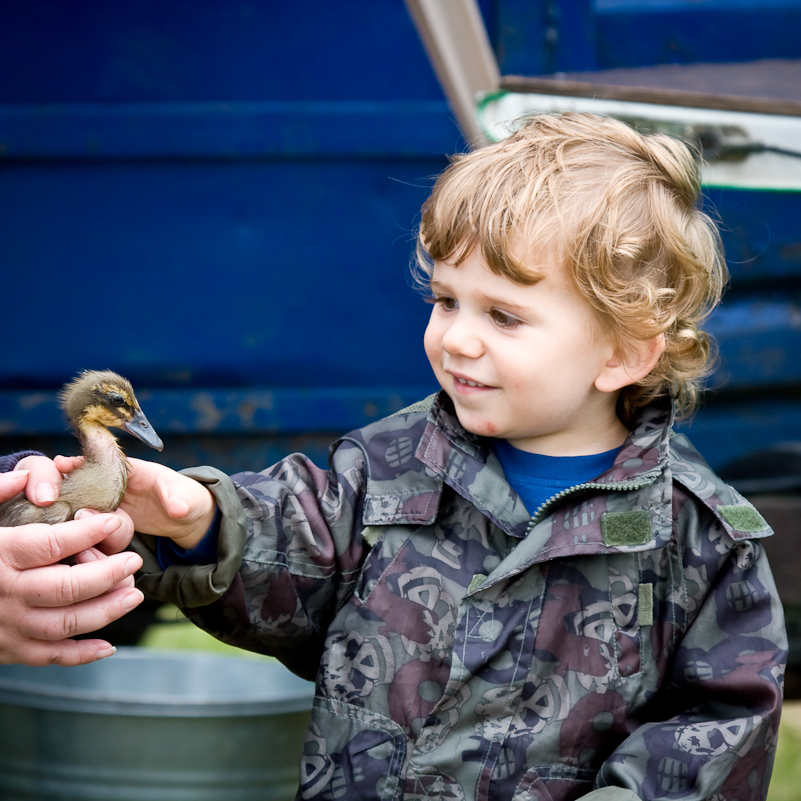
x=467 y=382
x=464 y=384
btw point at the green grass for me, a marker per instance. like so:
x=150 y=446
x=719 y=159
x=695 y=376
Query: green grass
x=787 y=769
x=173 y=632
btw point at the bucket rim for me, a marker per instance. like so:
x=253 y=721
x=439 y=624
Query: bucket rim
x=21 y=690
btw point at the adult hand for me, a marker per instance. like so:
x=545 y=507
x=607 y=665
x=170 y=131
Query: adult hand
x=44 y=486
x=44 y=603
x=44 y=477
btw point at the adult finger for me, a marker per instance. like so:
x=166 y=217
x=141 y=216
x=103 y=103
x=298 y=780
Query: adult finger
x=44 y=479
x=38 y=544
x=117 y=540
x=12 y=483
x=95 y=555
x=57 y=586
x=69 y=653
x=81 y=618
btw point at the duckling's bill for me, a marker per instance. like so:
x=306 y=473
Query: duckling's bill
x=140 y=427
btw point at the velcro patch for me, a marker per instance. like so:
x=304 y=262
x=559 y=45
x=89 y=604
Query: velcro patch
x=625 y=528
x=371 y=534
x=743 y=517
x=645 y=605
x=477 y=581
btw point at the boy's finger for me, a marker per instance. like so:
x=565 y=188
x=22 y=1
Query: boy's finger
x=177 y=507
x=66 y=464
x=117 y=540
x=89 y=555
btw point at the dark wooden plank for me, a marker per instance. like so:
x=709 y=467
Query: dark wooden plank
x=770 y=86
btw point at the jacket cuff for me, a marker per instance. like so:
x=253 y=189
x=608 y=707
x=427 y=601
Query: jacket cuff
x=9 y=462
x=190 y=586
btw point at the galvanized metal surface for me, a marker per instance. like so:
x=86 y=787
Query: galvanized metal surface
x=147 y=725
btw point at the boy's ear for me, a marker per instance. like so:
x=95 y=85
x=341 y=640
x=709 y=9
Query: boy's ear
x=622 y=370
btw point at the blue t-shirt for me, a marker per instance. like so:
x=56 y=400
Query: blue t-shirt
x=537 y=478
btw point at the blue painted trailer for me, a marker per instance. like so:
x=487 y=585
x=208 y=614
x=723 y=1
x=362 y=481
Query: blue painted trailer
x=218 y=200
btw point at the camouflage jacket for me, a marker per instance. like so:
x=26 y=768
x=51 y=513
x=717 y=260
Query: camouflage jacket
x=625 y=641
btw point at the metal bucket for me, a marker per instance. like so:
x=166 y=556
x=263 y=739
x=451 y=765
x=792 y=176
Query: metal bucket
x=153 y=725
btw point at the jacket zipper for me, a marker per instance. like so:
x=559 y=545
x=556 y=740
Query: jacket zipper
x=622 y=486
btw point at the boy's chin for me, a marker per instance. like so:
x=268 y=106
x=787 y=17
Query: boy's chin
x=481 y=427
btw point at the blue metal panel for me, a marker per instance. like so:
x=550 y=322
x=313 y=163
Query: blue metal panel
x=547 y=36
x=683 y=33
x=246 y=273
x=761 y=237
x=211 y=50
x=215 y=198
x=760 y=342
x=204 y=411
x=236 y=130
x=724 y=431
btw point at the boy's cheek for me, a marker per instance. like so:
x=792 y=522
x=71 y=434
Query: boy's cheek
x=429 y=340
x=433 y=354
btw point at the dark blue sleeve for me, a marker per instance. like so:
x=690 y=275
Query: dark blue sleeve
x=204 y=553
x=9 y=462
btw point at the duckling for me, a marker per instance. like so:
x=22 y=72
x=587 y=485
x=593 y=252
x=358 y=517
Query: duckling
x=93 y=402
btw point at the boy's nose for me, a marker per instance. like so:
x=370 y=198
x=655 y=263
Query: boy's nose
x=462 y=339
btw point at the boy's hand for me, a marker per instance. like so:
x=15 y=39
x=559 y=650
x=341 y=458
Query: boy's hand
x=166 y=504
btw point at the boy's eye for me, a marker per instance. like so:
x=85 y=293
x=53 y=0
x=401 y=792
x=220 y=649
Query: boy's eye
x=504 y=320
x=444 y=302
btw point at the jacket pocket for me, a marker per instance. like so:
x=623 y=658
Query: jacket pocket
x=351 y=753
x=591 y=619
x=386 y=543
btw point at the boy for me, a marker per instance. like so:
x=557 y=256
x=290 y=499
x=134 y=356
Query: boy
x=525 y=587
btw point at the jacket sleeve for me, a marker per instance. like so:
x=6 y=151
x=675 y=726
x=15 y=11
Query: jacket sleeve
x=289 y=553
x=710 y=731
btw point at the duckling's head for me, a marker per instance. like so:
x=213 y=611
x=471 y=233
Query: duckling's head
x=105 y=399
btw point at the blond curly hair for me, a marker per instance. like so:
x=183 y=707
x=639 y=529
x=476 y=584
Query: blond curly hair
x=619 y=208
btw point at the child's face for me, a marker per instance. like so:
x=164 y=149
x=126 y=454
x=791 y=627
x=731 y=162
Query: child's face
x=521 y=362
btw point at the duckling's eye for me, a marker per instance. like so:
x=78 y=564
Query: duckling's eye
x=116 y=399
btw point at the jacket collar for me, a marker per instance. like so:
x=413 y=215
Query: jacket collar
x=569 y=524
x=467 y=463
